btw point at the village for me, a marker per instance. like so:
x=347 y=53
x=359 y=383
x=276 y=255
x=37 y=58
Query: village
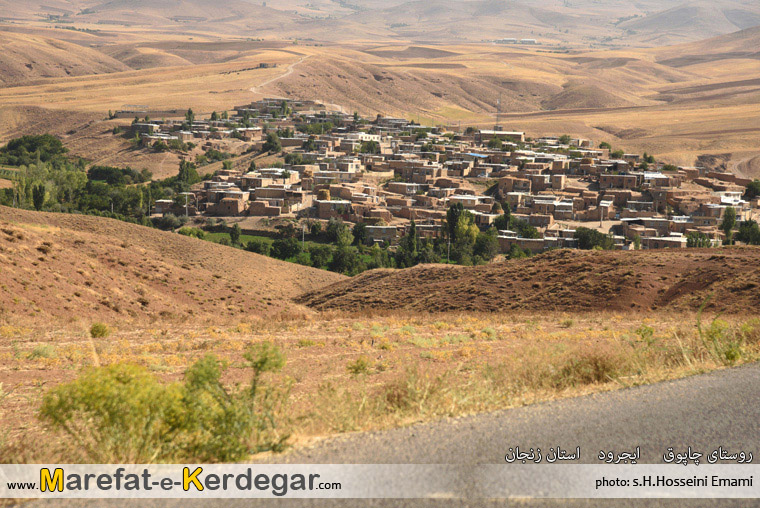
x=389 y=173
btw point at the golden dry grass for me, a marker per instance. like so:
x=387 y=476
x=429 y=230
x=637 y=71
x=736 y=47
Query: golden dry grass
x=357 y=373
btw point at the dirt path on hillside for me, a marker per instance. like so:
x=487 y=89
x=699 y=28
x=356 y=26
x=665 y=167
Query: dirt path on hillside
x=256 y=89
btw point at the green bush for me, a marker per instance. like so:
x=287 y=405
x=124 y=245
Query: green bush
x=99 y=331
x=124 y=414
x=119 y=413
x=259 y=247
x=192 y=232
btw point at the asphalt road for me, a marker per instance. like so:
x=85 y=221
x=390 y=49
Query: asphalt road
x=704 y=412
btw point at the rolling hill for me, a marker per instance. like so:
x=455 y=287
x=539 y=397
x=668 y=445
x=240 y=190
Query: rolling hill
x=27 y=58
x=579 y=23
x=73 y=267
x=562 y=280
x=692 y=21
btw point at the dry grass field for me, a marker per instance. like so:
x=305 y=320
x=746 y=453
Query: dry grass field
x=365 y=372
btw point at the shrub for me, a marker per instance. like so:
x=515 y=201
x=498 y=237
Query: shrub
x=320 y=255
x=99 y=331
x=259 y=247
x=413 y=392
x=118 y=413
x=42 y=351
x=168 y=221
x=285 y=248
x=585 y=369
x=123 y=413
x=360 y=366
x=192 y=232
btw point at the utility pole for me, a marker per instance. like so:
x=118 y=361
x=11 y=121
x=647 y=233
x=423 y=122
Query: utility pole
x=303 y=236
x=498 y=113
x=187 y=213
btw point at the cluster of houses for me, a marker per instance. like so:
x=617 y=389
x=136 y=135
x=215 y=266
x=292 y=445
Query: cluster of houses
x=389 y=171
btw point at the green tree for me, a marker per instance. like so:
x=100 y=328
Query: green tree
x=753 y=190
x=38 y=196
x=487 y=244
x=504 y=221
x=235 y=234
x=293 y=159
x=320 y=255
x=371 y=147
x=360 y=233
x=453 y=214
x=728 y=224
x=749 y=233
x=696 y=239
x=465 y=234
x=286 y=248
x=565 y=139
x=272 y=144
x=343 y=236
x=310 y=145
x=190 y=117
x=408 y=248
x=495 y=144
x=591 y=238
x=346 y=260
x=259 y=247
x=515 y=252
x=188 y=174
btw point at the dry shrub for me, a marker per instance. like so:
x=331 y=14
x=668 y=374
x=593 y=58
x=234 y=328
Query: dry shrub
x=414 y=392
x=750 y=332
x=588 y=367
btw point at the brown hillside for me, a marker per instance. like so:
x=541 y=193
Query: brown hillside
x=561 y=281
x=72 y=267
x=584 y=96
x=27 y=58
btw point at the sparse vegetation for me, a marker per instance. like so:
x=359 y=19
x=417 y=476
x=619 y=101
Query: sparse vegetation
x=460 y=365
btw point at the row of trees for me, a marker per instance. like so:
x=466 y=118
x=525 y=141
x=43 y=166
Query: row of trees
x=46 y=179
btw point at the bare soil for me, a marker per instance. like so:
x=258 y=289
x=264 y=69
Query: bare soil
x=563 y=280
x=84 y=269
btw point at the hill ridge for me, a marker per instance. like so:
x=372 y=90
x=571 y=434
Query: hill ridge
x=562 y=280
x=65 y=266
